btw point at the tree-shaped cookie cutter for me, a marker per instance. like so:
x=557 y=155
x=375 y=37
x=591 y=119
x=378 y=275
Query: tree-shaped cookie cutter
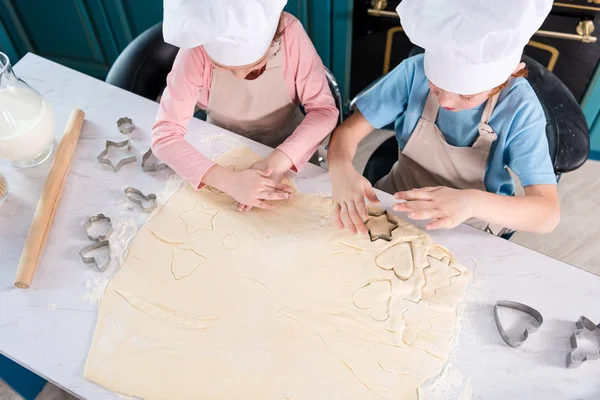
x=583 y=324
x=93 y=220
x=134 y=196
x=126 y=144
x=382 y=236
x=154 y=165
x=516 y=342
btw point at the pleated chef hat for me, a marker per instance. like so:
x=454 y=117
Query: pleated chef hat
x=471 y=45
x=233 y=32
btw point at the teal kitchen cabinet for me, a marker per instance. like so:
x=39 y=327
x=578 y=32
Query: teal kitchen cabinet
x=591 y=110
x=88 y=35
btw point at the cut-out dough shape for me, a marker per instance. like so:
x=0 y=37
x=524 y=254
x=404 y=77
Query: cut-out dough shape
x=417 y=318
x=231 y=242
x=375 y=297
x=437 y=276
x=380 y=226
x=199 y=219
x=185 y=262
x=398 y=258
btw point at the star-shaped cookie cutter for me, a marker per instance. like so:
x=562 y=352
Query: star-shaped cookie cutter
x=156 y=166
x=134 y=196
x=535 y=314
x=382 y=236
x=126 y=144
x=125 y=125
x=583 y=324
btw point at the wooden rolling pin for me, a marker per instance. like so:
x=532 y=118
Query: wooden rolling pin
x=46 y=208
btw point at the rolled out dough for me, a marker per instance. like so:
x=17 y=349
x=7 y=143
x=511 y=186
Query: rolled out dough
x=213 y=303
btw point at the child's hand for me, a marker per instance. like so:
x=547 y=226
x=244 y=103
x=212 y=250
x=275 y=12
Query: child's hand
x=445 y=206
x=349 y=190
x=251 y=187
x=278 y=163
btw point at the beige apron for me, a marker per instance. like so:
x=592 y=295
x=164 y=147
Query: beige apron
x=259 y=109
x=428 y=160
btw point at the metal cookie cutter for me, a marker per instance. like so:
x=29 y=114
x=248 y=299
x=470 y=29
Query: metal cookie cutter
x=516 y=342
x=147 y=166
x=583 y=324
x=118 y=145
x=91 y=221
x=134 y=196
x=393 y=225
x=92 y=260
x=125 y=125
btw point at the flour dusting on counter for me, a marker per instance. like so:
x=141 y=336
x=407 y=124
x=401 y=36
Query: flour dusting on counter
x=451 y=383
x=95 y=290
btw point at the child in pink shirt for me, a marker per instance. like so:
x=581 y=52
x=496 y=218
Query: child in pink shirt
x=252 y=92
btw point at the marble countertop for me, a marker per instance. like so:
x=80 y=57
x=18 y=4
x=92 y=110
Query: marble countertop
x=48 y=328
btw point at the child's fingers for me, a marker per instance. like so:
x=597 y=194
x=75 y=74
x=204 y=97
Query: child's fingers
x=422 y=194
x=336 y=216
x=441 y=223
x=265 y=172
x=360 y=205
x=274 y=195
x=413 y=206
x=371 y=195
x=425 y=214
x=345 y=216
x=281 y=186
x=263 y=205
x=358 y=222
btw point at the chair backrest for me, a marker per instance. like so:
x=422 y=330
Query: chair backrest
x=143 y=66
x=337 y=94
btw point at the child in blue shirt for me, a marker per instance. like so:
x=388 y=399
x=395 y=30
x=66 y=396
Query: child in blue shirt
x=462 y=113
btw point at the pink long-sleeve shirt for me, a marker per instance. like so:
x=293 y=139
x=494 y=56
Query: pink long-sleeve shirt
x=189 y=83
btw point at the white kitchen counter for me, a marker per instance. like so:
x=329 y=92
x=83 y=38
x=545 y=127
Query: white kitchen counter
x=48 y=328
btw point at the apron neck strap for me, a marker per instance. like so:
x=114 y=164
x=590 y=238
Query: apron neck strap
x=486 y=134
x=432 y=106
x=489 y=108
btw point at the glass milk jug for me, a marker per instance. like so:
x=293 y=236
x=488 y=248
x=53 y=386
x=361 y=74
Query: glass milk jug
x=26 y=120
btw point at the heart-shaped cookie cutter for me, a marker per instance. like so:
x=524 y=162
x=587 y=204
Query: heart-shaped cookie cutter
x=134 y=194
x=126 y=144
x=146 y=163
x=95 y=219
x=583 y=324
x=92 y=260
x=516 y=342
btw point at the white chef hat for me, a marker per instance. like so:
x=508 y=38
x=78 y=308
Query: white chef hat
x=233 y=32
x=471 y=45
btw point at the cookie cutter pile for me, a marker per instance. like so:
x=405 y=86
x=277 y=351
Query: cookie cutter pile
x=583 y=327
x=100 y=241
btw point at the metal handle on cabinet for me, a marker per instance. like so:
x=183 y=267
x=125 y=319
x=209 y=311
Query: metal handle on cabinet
x=584 y=28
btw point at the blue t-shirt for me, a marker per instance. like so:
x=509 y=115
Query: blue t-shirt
x=518 y=120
